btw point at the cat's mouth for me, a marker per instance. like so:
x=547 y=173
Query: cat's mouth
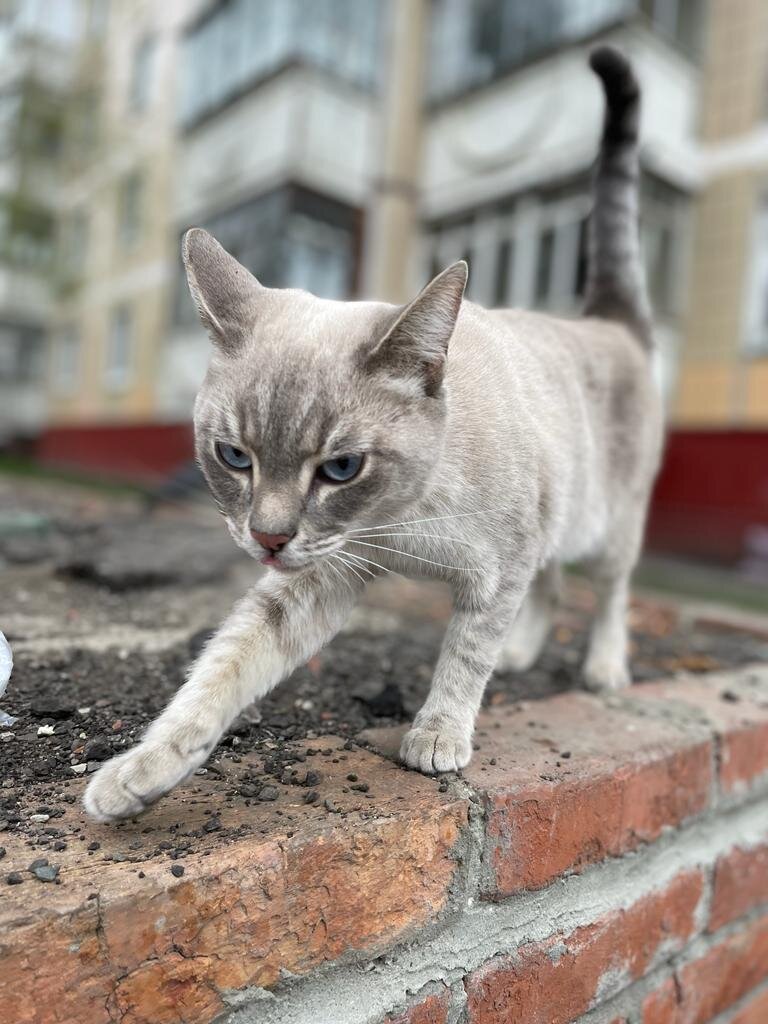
x=275 y=562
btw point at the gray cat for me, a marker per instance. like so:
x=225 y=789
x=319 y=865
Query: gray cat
x=482 y=447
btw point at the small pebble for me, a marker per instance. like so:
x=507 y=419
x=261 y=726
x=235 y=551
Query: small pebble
x=46 y=873
x=311 y=797
x=46 y=730
x=79 y=769
x=177 y=870
x=269 y=793
x=14 y=878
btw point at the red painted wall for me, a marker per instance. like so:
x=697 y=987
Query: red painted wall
x=712 y=488
x=141 y=452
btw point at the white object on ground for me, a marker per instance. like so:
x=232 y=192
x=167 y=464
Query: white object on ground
x=6 y=664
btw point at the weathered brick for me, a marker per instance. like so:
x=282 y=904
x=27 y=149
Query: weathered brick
x=735 y=707
x=431 y=1010
x=555 y=981
x=740 y=883
x=713 y=983
x=623 y=782
x=754 y=1011
x=145 y=948
x=660 y=1005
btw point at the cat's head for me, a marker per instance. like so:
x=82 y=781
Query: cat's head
x=316 y=418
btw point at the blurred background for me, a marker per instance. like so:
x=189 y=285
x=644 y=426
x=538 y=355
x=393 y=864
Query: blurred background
x=354 y=148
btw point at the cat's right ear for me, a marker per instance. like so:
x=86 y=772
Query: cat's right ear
x=225 y=293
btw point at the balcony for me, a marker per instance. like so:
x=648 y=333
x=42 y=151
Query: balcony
x=237 y=45
x=474 y=42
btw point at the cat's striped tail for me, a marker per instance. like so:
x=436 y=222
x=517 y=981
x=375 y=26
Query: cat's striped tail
x=615 y=278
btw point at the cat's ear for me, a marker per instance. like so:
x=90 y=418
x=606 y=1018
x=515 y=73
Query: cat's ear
x=416 y=345
x=225 y=293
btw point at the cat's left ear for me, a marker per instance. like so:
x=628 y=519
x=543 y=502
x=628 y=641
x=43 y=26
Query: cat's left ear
x=416 y=345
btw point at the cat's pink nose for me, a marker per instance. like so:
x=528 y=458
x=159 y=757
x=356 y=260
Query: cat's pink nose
x=271 y=541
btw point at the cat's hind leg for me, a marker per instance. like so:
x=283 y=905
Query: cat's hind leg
x=531 y=628
x=607 y=663
x=607 y=666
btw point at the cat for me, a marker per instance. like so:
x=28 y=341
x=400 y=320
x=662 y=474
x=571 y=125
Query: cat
x=482 y=447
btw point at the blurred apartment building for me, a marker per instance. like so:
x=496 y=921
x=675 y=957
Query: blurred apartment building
x=355 y=147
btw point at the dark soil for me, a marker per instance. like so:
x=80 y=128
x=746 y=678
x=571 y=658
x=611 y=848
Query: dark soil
x=97 y=705
x=79 y=707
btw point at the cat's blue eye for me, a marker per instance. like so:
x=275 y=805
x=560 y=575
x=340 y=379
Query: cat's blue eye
x=338 y=471
x=233 y=457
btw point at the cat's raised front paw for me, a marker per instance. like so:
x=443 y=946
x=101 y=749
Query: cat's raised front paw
x=132 y=782
x=439 y=749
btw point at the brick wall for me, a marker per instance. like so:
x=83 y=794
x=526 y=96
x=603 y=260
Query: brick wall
x=603 y=860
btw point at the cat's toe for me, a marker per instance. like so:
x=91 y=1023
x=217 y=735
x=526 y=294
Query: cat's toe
x=130 y=783
x=436 y=750
x=600 y=676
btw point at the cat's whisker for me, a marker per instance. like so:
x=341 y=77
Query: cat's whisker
x=368 y=560
x=428 y=536
x=339 y=573
x=364 y=568
x=407 y=554
x=349 y=566
x=431 y=519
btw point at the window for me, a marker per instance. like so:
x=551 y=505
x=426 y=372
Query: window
x=532 y=251
x=10 y=106
x=141 y=74
x=82 y=125
x=26 y=234
x=240 y=41
x=289 y=238
x=475 y=41
x=680 y=21
x=74 y=243
x=129 y=226
x=486 y=38
x=317 y=258
x=66 y=361
x=756 y=339
x=118 y=365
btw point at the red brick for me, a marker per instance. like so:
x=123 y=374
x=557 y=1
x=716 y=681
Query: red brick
x=716 y=981
x=432 y=1010
x=624 y=782
x=755 y=1011
x=558 y=980
x=741 y=725
x=160 y=949
x=719 y=979
x=626 y=778
x=660 y=1006
x=740 y=883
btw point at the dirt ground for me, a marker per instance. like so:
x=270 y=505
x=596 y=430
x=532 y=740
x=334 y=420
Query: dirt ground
x=105 y=605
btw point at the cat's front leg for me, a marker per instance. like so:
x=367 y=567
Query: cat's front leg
x=440 y=739
x=277 y=626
